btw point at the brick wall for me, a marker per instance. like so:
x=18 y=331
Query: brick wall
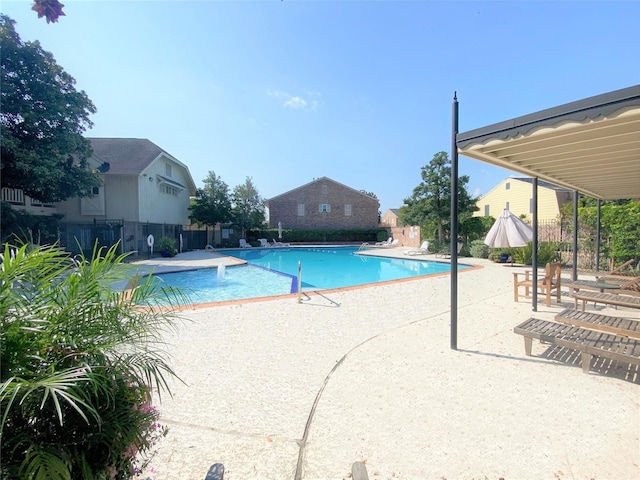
x=406 y=236
x=323 y=192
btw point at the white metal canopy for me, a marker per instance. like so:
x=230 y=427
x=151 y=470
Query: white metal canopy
x=591 y=145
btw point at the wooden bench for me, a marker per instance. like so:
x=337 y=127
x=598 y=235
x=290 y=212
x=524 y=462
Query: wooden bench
x=625 y=327
x=588 y=342
x=606 y=299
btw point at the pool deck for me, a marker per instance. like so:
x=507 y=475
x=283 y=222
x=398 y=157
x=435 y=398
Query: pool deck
x=281 y=389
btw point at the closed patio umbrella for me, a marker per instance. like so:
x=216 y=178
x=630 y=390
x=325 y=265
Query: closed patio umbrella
x=508 y=231
x=280 y=230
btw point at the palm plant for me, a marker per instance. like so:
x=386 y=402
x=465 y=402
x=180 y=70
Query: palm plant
x=79 y=362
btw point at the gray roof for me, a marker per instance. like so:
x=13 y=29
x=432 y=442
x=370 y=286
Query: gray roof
x=131 y=156
x=541 y=183
x=126 y=156
x=322 y=179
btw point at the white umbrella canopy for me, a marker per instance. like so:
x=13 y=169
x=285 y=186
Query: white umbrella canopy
x=508 y=231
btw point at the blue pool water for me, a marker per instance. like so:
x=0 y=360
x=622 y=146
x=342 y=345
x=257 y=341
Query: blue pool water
x=273 y=271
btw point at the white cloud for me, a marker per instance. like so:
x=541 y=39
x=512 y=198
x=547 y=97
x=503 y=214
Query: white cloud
x=294 y=101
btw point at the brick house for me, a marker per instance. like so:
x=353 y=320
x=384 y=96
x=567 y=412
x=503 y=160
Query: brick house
x=390 y=217
x=323 y=203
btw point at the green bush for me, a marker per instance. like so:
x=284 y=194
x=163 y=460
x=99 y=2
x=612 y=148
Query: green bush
x=322 y=235
x=547 y=253
x=479 y=249
x=79 y=361
x=169 y=245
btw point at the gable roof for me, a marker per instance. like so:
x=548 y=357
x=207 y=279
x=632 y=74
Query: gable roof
x=321 y=179
x=541 y=183
x=130 y=156
x=529 y=180
x=591 y=145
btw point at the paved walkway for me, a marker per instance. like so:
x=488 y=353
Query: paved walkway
x=278 y=389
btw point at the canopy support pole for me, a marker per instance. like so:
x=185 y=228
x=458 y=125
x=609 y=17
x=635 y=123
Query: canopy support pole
x=598 y=208
x=534 y=245
x=574 y=273
x=454 y=224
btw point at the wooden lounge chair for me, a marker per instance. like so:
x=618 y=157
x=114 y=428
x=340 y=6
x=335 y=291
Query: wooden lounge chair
x=597 y=285
x=631 y=284
x=588 y=342
x=625 y=327
x=620 y=270
x=606 y=299
x=551 y=281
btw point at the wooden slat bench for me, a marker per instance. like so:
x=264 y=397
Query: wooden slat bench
x=607 y=299
x=625 y=327
x=588 y=342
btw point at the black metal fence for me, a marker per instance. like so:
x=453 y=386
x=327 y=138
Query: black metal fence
x=76 y=237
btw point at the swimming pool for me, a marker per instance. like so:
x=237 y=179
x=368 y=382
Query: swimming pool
x=274 y=271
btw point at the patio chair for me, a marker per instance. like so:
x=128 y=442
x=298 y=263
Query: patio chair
x=280 y=244
x=551 y=281
x=244 y=244
x=264 y=242
x=422 y=250
x=385 y=243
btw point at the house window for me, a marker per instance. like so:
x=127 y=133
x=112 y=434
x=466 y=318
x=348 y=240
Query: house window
x=347 y=210
x=301 y=209
x=325 y=208
x=168 y=189
x=325 y=190
x=486 y=210
x=506 y=205
x=507 y=186
x=167 y=169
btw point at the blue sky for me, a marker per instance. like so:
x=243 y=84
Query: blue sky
x=358 y=91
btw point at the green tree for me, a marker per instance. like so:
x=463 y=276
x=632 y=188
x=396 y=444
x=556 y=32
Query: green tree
x=430 y=203
x=248 y=206
x=43 y=117
x=79 y=361
x=212 y=204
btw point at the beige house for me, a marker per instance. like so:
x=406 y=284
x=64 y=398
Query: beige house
x=145 y=191
x=516 y=195
x=323 y=203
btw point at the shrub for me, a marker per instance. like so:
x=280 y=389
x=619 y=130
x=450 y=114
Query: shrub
x=167 y=244
x=478 y=249
x=79 y=361
x=547 y=252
